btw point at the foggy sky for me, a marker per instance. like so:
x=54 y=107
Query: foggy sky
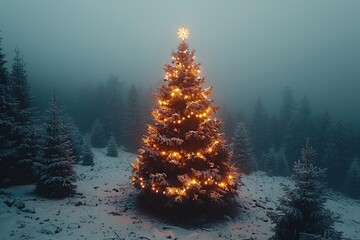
x=247 y=48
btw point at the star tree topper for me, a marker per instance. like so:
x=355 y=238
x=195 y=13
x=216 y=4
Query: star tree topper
x=183 y=33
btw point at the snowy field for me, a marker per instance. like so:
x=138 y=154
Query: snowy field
x=105 y=209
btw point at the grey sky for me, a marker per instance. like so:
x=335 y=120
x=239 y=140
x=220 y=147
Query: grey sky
x=247 y=48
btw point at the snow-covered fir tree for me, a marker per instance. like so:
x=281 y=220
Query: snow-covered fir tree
x=87 y=156
x=243 y=151
x=8 y=128
x=184 y=159
x=112 y=147
x=302 y=209
x=98 y=138
x=56 y=176
x=352 y=181
x=132 y=122
x=27 y=144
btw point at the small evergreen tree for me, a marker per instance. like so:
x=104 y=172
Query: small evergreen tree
x=243 y=149
x=352 y=181
x=98 y=139
x=56 y=176
x=88 y=155
x=112 y=148
x=302 y=208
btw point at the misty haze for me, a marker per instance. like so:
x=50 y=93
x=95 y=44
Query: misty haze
x=179 y=120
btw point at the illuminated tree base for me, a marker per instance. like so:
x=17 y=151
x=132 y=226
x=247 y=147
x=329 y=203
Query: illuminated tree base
x=187 y=213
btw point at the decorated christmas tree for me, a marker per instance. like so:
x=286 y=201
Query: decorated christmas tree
x=184 y=157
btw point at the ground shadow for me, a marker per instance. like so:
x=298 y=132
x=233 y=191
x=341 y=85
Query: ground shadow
x=188 y=214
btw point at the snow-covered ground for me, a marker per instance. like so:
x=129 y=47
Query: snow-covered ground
x=105 y=209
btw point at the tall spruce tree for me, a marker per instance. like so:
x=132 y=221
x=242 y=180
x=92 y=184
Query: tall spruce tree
x=243 y=150
x=132 y=123
x=287 y=111
x=299 y=128
x=98 y=139
x=302 y=208
x=184 y=158
x=56 y=176
x=260 y=129
x=8 y=128
x=114 y=109
x=26 y=143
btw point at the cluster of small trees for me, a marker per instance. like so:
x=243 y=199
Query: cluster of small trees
x=33 y=152
x=111 y=114
x=276 y=141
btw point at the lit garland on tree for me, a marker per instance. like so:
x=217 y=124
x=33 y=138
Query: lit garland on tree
x=184 y=156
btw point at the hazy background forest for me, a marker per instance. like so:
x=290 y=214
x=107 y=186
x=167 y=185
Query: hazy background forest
x=288 y=77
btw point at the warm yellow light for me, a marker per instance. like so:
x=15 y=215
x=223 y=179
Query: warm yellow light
x=172 y=94
x=163 y=152
x=179 y=121
x=183 y=33
x=188 y=116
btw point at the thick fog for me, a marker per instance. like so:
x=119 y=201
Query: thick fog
x=247 y=48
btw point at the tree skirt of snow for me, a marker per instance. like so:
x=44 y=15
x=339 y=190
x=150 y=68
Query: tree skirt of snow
x=104 y=208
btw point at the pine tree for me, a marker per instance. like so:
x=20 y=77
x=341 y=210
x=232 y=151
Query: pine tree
x=132 y=123
x=302 y=208
x=88 y=155
x=260 y=129
x=112 y=147
x=8 y=129
x=243 y=149
x=26 y=144
x=275 y=132
x=271 y=162
x=352 y=181
x=287 y=111
x=331 y=159
x=344 y=140
x=300 y=126
x=56 y=176
x=98 y=139
x=114 y=109
x=322 y=136
x=184 y=158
